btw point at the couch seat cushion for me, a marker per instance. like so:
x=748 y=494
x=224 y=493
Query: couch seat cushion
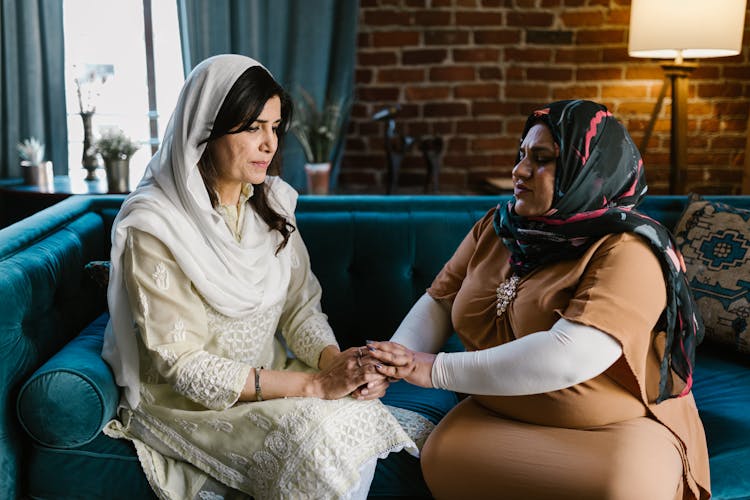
x=722 y=393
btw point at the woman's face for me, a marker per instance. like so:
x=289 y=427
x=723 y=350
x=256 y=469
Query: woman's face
x=244 y=157
x=534 y=175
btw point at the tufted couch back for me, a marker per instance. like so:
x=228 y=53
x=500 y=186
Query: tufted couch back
x=374 y=255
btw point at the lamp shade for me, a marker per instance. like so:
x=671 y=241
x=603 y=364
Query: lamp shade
x=676 y=29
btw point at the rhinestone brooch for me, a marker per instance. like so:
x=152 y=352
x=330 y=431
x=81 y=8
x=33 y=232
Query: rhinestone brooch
x=506 y=292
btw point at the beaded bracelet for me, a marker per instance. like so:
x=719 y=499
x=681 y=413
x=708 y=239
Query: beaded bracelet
x=258 y=393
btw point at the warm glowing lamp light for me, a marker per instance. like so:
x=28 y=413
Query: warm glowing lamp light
x=678 y=30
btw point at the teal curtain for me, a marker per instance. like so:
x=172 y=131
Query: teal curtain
x=32 y=82
x=303 y=43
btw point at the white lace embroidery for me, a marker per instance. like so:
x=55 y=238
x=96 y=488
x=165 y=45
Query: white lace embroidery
x=143 y=300
x=313 y=450
x=245 y=338
x=221 y=425
x=168 y=355
x=209 y=495
x=416 y=426
x=211 y=380
x=177 y=332
x=310 y=339
x=160 y=276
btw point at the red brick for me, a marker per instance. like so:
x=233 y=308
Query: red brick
x=706 y=72
x=549 y=37
x=400 y=75
x=358 y=110
x=457 y=144
x=432 y=18
x=479 y=18
x=578 y=55
x=713 y=90
x=442 y=3
x=618 y=17
x=466 y=3
x=601 y=73
x=363 y=75
x=479 y=127
x=501 y=108
x=493 y=144
x=530 y=19
x=497 y=36
x=476 y=55
x=635 y=107
x=416 y=3
x=446 y=37
x=416 y=129
x=452 y=73
x=527 y=55
x=444 y=127
x=576 y=92
x=494 y=3
x=387 y=17
x=738 y=72
x=442 y=109
x=377 y=93
x=577 y=18
x=364 y=40
x=515 y=74
x=547 y=4
x=490 y=73
x=550 y=74
x=601 y=36
x=732 y=108
x=355 y=144
x=426 y=93
x=574 y=3
x=644 y=72
x=616 y=90
x=424 y=56
x=395 y=38
x=484 y=90
x=378 y=58
x=616 y=55
x=369 y=128
x=513 y=90
x=356 y=160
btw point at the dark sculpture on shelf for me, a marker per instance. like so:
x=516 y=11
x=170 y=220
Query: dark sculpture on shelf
x=397 y=145
x=432 y=150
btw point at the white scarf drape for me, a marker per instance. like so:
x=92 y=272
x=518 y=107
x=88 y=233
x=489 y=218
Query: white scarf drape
x=172 y=204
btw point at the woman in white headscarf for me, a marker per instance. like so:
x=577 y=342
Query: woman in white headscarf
x=207 y=266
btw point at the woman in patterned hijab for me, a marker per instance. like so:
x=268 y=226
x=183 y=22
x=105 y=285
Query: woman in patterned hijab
x=578 y=366
x=599 y=183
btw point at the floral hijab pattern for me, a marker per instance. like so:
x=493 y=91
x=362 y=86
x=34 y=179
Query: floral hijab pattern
x=598 y=185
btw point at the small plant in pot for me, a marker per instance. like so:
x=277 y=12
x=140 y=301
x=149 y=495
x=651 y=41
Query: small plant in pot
x=116 y=149
x=36 y=171
x=318 y=131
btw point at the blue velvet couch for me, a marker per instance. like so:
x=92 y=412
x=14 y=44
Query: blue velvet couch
x=374 y=256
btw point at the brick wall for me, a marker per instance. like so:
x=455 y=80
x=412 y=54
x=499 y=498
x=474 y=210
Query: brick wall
x=471 y=70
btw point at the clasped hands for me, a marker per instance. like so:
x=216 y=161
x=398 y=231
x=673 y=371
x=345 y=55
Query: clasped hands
x=366 y=372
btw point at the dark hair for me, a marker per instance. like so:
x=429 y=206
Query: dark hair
x=241 y=107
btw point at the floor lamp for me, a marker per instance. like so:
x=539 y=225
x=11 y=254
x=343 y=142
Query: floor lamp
x=679 y=30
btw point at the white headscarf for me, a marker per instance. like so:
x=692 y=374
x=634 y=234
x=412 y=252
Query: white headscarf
x=172 y=204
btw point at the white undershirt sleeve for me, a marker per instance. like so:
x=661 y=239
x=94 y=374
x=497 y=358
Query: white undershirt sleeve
x=567 y=354
x=426 y=326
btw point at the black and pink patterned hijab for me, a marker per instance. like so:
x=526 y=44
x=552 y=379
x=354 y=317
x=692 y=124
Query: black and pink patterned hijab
x=599 y=183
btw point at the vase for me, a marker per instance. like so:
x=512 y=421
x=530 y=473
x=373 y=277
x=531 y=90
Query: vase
x=38 y=174
x=318 y=177
x=89 y=159
x=118 y=175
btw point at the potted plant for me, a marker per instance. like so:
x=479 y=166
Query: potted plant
x=318 y=131
x=36 y=171
x=116 y=149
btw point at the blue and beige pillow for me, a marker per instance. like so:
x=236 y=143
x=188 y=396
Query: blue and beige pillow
x=714 y=239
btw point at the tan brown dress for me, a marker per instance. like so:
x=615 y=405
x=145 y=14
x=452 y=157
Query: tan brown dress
x=603 y=438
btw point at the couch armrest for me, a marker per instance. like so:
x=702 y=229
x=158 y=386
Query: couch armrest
x=68 y=400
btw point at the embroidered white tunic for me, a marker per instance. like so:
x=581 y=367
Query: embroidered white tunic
x=193 y=438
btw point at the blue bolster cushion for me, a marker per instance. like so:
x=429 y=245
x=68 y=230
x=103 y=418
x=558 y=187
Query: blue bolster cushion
x=68 y=400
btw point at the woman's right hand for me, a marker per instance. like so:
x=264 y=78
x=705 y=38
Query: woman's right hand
x=347 y=371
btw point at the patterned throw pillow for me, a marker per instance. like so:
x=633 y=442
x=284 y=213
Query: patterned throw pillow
x=714 y=239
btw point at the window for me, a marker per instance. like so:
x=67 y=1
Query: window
x=111 y=35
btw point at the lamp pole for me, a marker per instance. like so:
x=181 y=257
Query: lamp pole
x=678 y=73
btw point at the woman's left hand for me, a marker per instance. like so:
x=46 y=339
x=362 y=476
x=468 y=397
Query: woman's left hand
x=399 y=362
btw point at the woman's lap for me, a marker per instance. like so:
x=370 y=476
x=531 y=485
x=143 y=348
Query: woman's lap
x=474 y=453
